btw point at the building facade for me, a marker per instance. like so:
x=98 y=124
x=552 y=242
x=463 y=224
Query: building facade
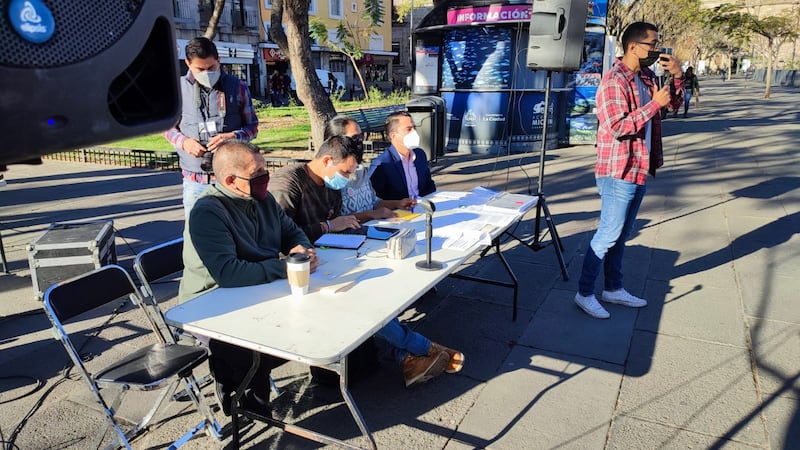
x=237 y=37
x=375 y=66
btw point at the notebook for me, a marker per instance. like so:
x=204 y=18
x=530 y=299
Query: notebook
x=337 y=240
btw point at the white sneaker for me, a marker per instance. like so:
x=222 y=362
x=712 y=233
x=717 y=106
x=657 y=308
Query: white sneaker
x=624 y=298
x=591 y=306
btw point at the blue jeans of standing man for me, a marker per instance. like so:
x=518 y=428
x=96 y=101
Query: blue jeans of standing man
x=619 y=204
x=191 y=190
x=403 y=340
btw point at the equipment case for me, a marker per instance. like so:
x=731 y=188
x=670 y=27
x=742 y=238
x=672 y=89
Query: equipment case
x=66 y=250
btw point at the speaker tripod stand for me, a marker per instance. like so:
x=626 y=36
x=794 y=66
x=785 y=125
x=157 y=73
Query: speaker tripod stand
x=541 y=203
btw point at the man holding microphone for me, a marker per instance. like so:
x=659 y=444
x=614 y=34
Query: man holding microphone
x=629 y=103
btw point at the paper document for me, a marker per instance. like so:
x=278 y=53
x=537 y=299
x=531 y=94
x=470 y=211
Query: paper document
x=404 y=214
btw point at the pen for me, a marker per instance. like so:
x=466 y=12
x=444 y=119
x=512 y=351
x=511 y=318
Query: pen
x=414 y=200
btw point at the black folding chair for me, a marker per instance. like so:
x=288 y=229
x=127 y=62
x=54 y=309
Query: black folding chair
x=160 y=365
x=156 y=263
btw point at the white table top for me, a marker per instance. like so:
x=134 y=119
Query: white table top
x=323 y=326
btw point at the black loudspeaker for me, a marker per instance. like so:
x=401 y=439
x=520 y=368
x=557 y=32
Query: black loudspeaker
x=81 y=72
x=556 y=34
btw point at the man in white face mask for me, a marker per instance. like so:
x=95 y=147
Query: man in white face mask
x=402 y=170
x=216 y=107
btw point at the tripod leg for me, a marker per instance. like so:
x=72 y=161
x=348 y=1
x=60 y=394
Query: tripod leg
x=558 y=247
x=537 y=222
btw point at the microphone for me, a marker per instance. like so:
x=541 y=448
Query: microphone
x=429 y=207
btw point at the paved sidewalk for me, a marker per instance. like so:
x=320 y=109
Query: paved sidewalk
x=712 y=361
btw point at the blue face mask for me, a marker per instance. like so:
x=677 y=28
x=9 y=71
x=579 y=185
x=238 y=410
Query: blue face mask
x=337 y=183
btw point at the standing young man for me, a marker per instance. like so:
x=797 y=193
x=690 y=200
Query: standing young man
x=216 y=107
x=628 y=148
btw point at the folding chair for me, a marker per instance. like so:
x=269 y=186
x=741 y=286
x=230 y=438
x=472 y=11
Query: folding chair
x=155 y=263
x=154 y=366
x=159 y=262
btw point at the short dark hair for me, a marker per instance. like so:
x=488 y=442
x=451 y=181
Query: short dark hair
x=336 y=126
x=339 y=148
x=635 y=33
x=393 y=120
x=201 y=47
x=227 y=157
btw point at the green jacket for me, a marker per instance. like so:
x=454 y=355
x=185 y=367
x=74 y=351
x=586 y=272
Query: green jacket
x=232 y=241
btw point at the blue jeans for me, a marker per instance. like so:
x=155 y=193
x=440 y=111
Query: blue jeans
x=403 y=340
x=191 y=190
x=619 y=204
x=687 y=97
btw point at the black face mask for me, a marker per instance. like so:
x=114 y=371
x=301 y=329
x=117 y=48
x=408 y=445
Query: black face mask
x=652 y=57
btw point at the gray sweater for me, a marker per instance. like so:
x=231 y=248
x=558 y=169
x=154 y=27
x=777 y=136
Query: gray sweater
x=232 y=241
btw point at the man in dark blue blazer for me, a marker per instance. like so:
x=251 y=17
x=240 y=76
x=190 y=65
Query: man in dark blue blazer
x=402 y=170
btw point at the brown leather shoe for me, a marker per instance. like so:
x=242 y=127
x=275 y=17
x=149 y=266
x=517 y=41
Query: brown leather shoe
x=456 y=358
x=419 y=369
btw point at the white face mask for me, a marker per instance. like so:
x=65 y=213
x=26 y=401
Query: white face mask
x=411 y=140
x=207 y=78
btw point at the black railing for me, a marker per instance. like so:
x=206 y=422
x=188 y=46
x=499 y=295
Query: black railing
x=149 y=159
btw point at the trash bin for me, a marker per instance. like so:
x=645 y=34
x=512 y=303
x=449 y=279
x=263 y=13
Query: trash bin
x=429 y=116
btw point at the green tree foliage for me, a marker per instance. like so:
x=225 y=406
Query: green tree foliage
x=352 y=37
x=677 y=21
x=767 y=32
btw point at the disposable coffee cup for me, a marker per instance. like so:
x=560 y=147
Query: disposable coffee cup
x=298 y=271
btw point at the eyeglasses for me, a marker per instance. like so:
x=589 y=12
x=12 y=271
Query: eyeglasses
x=653 y=44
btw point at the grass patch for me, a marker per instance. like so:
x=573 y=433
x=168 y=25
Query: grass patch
x=294 y=137
x=285 y=128
x=147 y=142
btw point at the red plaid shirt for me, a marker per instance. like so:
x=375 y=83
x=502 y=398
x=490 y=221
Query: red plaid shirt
x=621 y=137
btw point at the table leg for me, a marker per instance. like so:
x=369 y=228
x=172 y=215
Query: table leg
x=3 y=254
x=239 y=394
x=514 y=284
x=351 y=405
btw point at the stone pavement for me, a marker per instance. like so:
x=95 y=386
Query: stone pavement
x=713 y=361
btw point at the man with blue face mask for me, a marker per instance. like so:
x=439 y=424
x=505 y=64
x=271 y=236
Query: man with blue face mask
x=216 y=107
x=309 y=193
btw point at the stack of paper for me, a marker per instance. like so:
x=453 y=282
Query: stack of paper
x=518 y=202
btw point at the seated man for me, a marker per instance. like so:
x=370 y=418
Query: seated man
x=309 y=194
x=402 y=169
x=234 y=237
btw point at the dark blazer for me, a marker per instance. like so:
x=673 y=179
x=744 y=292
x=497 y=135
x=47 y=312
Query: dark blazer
x=389 y=180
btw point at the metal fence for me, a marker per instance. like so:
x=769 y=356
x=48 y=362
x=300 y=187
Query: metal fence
x=148 y=159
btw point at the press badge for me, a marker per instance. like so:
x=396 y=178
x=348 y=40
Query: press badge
x=207 y=130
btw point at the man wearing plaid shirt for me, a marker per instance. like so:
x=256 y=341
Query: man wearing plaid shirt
x=629 y=106
x=216 y=107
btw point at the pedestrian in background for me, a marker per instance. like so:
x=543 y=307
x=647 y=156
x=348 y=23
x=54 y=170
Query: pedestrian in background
x=691 y=88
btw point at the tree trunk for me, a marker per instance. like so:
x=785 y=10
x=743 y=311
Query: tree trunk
x=768 y=79
x=213 y=22
x=296 y=45
x=360 y=77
